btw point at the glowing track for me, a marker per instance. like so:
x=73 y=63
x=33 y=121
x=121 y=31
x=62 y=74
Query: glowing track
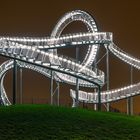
x=40 y=54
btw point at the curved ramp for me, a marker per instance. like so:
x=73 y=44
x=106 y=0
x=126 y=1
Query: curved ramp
x=115 y=94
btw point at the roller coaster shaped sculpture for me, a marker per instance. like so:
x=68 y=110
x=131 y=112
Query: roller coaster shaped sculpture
x=40 y=55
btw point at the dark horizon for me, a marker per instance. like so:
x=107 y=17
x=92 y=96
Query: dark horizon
x=37 y=18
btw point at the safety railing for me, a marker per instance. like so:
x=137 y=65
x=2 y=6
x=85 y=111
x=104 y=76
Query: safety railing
x=108 y=96
x=124 y=56
x=64 y=40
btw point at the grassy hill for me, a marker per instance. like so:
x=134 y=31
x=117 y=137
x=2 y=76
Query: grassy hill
x=43 y=122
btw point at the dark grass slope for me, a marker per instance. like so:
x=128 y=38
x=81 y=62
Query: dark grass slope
x=43 y=122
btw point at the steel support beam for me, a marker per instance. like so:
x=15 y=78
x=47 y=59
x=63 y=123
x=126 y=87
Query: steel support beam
x=14 y=82
x=95 y=66
x=51 y=87
x=107 y=76
x=21 y=85
x=58 y=93
x=129 y=106
x=130 y=99
x=77 y=92
x=77 y=80
x=99 y=98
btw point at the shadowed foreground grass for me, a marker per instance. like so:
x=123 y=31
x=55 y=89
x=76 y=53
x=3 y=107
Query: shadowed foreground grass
x=43 y=122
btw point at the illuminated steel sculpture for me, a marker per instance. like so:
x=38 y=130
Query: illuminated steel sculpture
x=40 y=54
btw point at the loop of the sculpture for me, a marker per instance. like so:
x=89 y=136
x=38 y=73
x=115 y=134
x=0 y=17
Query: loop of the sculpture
x=84 y=17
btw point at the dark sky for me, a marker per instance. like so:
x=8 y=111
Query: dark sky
x=38 y=17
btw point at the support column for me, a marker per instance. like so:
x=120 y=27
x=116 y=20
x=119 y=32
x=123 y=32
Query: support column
x=95 y=105
x=21 y=86
x=14 y=81
x=77 y=92
x=99 y=98
x=107 y=76
x=95 y=90
x=129 y=106
x=130 y=99
x=51 y=87
x=58 y=96
x=77 y=80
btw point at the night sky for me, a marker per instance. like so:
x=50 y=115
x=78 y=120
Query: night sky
x=38 y=17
